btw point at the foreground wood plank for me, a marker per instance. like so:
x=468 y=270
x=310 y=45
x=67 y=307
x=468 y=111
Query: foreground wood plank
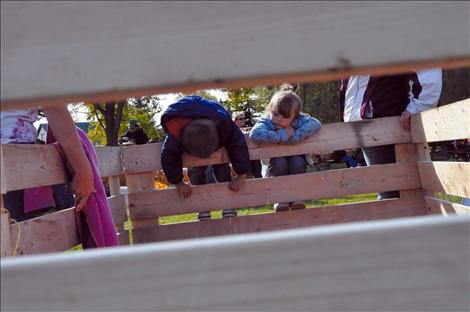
x=443 y=176
x=227 y=40
x=433 y=125
x=257 y=192
x=374 y=210
x=439 y=206
x=417 y=264
x=331 y=137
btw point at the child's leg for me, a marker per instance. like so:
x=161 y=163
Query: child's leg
x=197 y=176
x=256 y=168
x=278 y=166
x=297 y=164
x=222 y=174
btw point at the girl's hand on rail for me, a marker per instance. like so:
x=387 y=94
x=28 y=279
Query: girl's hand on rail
x=237 y=183
x=290 y=131
x=184 y=190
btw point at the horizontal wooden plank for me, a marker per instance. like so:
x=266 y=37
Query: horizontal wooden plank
x=90 y=65
x=433 y=125
x=439 y=206
x=57 y=232
x=413 y=264
x=447 y=177
x=30 y=165
x=256 y=192
x=374 y=210
x=109 y=159
x=331 y=137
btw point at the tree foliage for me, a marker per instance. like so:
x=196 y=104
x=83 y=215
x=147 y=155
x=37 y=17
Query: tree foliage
x=108 y=121
x=455 y=85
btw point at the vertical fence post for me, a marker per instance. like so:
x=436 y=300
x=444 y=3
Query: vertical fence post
x=141 y=182
x=114 y=185
x=407 y=153
x=5 y=238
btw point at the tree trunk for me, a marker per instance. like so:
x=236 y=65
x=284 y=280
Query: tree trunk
x=113 y=116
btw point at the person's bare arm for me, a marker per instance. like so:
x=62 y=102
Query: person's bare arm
x=63 y=127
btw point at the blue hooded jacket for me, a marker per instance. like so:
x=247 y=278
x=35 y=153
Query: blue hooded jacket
x=230 y=136
x=266 y=132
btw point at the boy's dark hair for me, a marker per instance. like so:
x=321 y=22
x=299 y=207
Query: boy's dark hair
x=200 y=137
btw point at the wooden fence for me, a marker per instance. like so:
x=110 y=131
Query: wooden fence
x=414 y=175
x=415 y=262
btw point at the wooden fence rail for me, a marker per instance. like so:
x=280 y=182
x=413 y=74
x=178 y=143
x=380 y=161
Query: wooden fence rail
x=415 y=264
x=40 y=165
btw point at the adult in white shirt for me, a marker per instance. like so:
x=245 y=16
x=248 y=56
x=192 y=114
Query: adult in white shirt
x=367 y=97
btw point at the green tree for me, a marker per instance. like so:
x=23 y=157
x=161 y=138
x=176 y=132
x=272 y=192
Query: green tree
x=320 y=100
x=105 y=120
x=455 y=85
x=108 y=121
x=239 y=99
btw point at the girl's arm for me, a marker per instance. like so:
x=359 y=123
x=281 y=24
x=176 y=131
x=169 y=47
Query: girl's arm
x=308 y=127
x=64 y=130
x=262 y=133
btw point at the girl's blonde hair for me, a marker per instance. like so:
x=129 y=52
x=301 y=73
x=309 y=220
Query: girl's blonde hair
x=284 y=100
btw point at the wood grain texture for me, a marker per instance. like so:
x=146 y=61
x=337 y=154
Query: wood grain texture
x=438 y=206
x=415 y=264
x=5 y=237
x=447 y=177
x=331 y=137
x=85 y=53
x=56 y=232
x=30 y=165
x=117 y=204
x=374 y=210
x=257 y=192
x=109 y=159
x=449 y=122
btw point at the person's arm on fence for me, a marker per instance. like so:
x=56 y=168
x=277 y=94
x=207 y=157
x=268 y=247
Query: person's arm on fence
x=65 y=132
x=425 y=92
x=172 y=165
x=308 y=126
x=263 y=132
x=239 y=157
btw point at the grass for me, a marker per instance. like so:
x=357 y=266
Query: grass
x=269 y=208
x=254 y=210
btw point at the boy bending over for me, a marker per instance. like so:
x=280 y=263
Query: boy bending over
x=199 y=127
